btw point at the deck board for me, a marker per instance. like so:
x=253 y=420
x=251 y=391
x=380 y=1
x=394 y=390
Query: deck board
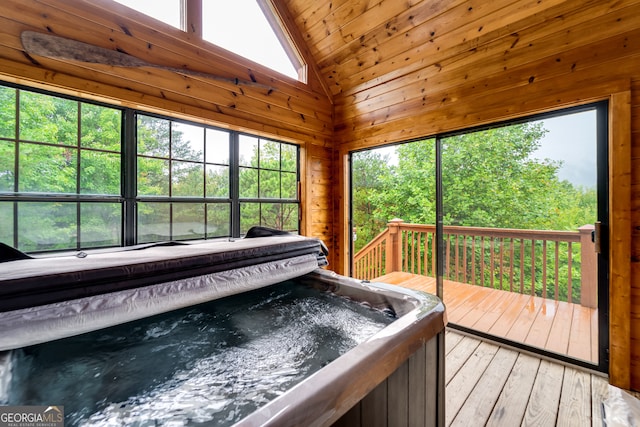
x=525 y=321
x=512 y=404
x=558 y=340
x=545 y=396
x=580 y=338
x=541 y=328
x=486 y=392
x=575 y=401
x=555 y=326
x=466 y=378
x=463 y=352
x=502 y=387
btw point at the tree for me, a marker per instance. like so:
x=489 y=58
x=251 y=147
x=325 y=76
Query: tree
x=490 y=179
x=369 y=172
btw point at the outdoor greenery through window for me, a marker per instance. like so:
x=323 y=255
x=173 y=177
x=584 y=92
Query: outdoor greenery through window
x=268 y=184
x=59 y=172
x=519 y=203
x=66 y=183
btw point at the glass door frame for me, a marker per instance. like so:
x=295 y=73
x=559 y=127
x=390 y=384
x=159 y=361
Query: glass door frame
x=602 y=187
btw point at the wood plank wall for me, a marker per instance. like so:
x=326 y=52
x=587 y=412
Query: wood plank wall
x=569 y=54
x=280 y=108
x=512 y=58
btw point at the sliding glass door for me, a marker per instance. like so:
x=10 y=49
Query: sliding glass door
x=522 y=205
x=506 y=223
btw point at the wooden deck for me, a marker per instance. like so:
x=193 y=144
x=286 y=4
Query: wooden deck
x=559 y=327
x=489 y=385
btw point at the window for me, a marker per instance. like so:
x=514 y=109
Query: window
x=69 y=180
x=61 y=166
x=268 y=184
x=227 y=24
x=182 y=180
x=167 y=11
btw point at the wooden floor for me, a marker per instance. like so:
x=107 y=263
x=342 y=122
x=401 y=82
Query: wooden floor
x=489 y=385
x=559 y=327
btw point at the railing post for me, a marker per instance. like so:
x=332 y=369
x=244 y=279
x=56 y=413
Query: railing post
x=394 y=246
x=588 y=268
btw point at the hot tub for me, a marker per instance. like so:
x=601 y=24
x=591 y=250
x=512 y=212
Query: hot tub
x=394 y=377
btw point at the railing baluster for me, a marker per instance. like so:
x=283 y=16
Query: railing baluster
x=544 y=269
x=557 y=266
x=418 y=256
x=434 y=248
x=473 y=260
x=501 y=240
x=465 y=238
x=521 y=266
x=425 y=254
x=447 y=268
x=492 y=268
x=457 y=256
x=511 y=254
x=569 y=266
x=533 y=267
x=405 y=239
x=413 y=251
x=482 y=261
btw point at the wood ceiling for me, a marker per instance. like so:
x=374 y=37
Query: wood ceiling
x=386 y=63
x=362 y=43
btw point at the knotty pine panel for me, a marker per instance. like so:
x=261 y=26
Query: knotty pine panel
x=296 y=109
x=188 y=51
x=486 y=107
x=459 y=38
x=406 y=38
x=318 y=197
x=635 y=230
x=635 y=307
x=435 y=84
x=446 y=81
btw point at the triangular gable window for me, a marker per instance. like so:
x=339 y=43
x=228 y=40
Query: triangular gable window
x=167 y=11
x=240 y=26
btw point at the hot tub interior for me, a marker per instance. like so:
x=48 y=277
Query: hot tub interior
x=136 y=334
x=215 y=362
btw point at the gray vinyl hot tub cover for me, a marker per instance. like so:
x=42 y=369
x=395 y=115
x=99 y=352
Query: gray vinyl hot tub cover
x=42 y=299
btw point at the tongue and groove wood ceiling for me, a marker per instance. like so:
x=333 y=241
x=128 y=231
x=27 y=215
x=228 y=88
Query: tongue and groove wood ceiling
x=358 y=44
x=384 y=60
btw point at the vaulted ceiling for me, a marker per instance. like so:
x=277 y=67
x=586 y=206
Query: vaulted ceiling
x=401 y=69
x=363 y=43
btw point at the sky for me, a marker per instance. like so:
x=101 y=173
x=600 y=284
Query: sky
x=572 y=140
x=235 y=25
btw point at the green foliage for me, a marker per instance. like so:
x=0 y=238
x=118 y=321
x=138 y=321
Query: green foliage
x=489 y=179
x=369 y=170
x=67 y=147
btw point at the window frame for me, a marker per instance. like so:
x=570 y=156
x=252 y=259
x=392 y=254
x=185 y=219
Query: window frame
x=128 y=198
x=192 y=22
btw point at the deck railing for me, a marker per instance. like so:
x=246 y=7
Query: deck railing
x=559 y=265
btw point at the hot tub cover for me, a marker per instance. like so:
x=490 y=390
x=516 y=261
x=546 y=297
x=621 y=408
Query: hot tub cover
x=49 y=298
x=35 y=281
